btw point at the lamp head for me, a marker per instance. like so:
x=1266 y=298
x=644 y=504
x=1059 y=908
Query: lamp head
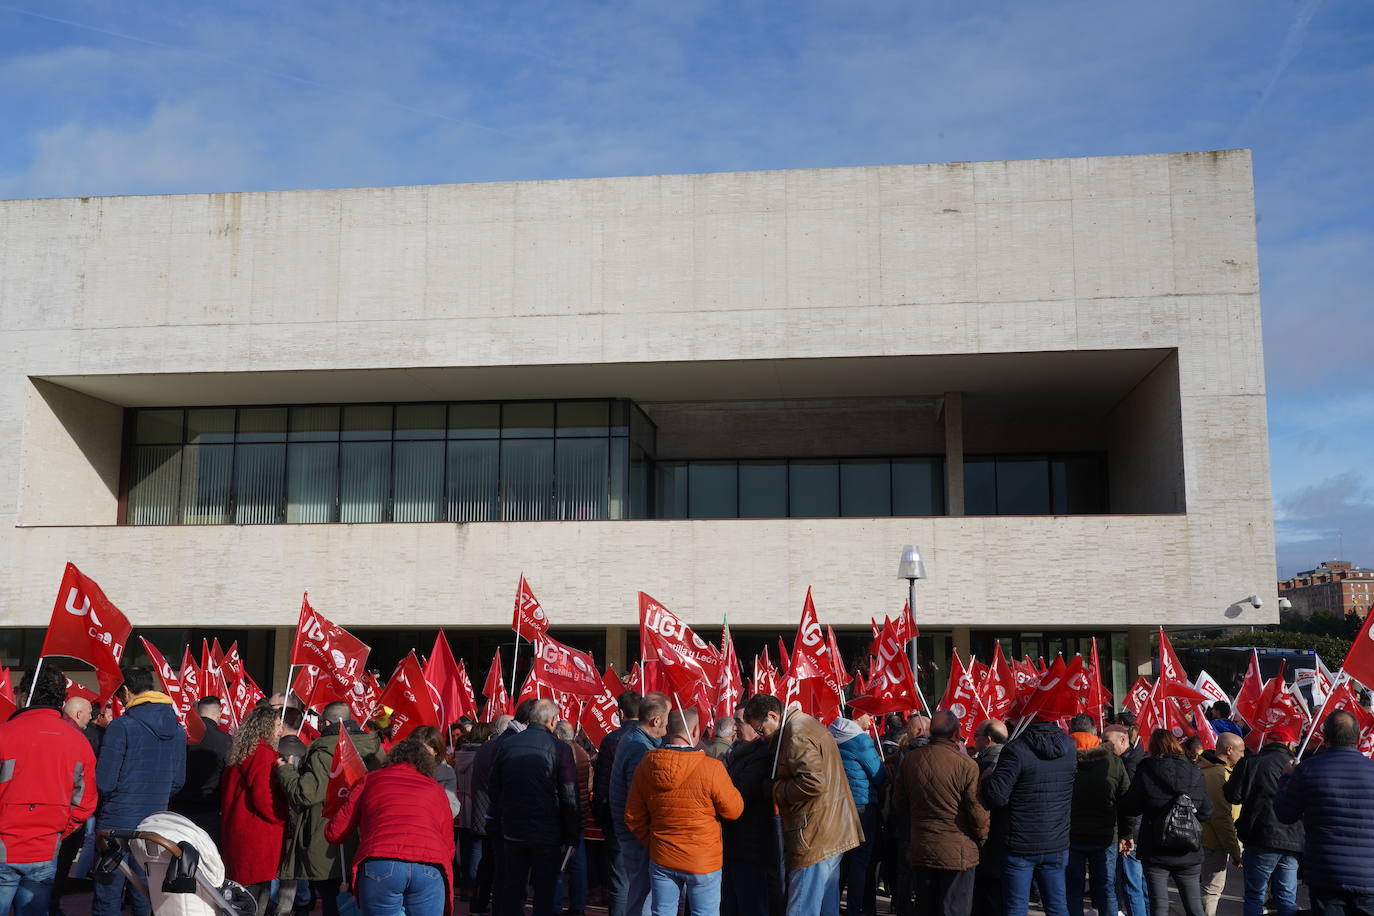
x=911 y=566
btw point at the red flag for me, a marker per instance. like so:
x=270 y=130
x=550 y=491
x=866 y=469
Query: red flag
x=1056 y=696
x=1096 y=696
x=498 y=700
x=1170 y=668
x=529 y=619
x=232 y=663
x=217 y=656
x=836 y=662
x=340 y=656
x=346 y=771
x=1138 y=695
x=906 y=624
x=784 y=663
x=441 y=670
x=729 y=687
x=171 y=685
x=1359 y=661
x=304 y=685
x=999 y=690
x=532 y=689
x=809 y=651
x=891 y=685
x=1343 y=697
x=601 y=715
x=407 y=693
x=195 y=728
x=1251 y=690
x=961 y=698
x=87 y=627
x=1278 y=709
x=465 y=685
x=565 y=668
x=765 y=675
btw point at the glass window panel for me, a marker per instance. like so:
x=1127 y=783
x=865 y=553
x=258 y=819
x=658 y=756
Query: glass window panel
x=206 y=426
x=205 y=484
x=1077 y=485
x=672 y=490
x=642 y=430
x=312 y=482
x=474 y=421
x=712 y=489
x=581 y=478
x=314 y=424
x=763 y=489
x=156 y=427
x=472 y=481
x=367 y=421
x=1023 y=486
x=262 y=424
x=153 y=483
x=620 y=418
x=418 y=482
x=420 y=421
x=639 y=483
x=865 y=488
x=918 y=487
x=259 y=479
x=980 y=486
x=526 y=480
x=620 y=468
x=584 y=418
x=814 y=489
x=527 y=419
x=364 y=478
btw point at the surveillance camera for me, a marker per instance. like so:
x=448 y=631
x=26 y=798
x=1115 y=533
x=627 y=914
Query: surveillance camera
x=1285 y=604
x=1256 y=602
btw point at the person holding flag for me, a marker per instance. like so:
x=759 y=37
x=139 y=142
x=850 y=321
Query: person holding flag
x=864 y=769
x=311 y=857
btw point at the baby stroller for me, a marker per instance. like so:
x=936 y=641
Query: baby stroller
x=185 y=872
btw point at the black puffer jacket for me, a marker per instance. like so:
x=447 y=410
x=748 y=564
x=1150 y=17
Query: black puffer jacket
x=1158 y=781
x=1252 y=785
x=1033 y=781
x=533 y=790
x=751 y=838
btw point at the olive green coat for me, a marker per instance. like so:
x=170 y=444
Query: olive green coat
x=307 y=854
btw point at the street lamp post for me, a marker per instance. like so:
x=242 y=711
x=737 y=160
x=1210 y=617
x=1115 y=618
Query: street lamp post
x=911 y=568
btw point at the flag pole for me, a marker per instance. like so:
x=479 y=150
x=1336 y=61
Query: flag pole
x=786 y=706
x=1336 y=685
x=286 y=694
x=33 y=682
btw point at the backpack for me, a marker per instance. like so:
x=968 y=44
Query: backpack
x=1179 y=830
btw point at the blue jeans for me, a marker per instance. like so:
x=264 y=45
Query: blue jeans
x=469 y=857
x=28 y=886
x=634 y=864
x=574 y=879
x=385 y=886
x=1132 y=896
x=1260 y=866
x=1047 y=871
x=814 y=889
x=669 y=884
x=1100 y=862
x=109 y=898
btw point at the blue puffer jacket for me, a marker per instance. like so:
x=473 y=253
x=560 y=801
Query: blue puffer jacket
x=1033 y=781
x=634 y=744
x=142 y=762
x=862 y=765
x=1333 y=795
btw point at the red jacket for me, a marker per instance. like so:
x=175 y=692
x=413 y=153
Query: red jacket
x=253 y=818
x=47 y=784
x=399 y=813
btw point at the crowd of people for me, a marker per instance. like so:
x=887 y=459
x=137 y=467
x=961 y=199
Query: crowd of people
x=765 y=813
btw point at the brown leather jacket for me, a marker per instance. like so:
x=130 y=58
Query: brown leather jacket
x=939 y=786
x=819 y=819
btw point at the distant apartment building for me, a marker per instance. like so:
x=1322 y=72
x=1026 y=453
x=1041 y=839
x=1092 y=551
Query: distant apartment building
x=1336 y=586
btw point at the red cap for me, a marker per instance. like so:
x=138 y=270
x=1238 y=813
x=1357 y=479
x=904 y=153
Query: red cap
x=1286 y=734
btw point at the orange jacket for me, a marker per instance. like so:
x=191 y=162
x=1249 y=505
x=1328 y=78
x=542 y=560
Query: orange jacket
x=674 y=806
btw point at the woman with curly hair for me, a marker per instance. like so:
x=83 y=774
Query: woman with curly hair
x=405 y=836
x=253 y=805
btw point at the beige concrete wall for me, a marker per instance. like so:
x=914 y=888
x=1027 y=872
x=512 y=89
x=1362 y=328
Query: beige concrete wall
x=1145 y=471
x=1046 y=255
x=69 y=454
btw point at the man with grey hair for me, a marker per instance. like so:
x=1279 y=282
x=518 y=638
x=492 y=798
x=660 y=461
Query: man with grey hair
x=723 y=739
x=1220 y=844
x=534 y=812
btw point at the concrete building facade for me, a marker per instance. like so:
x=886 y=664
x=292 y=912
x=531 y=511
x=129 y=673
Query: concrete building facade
x=1336 y=586
x=1060 y=358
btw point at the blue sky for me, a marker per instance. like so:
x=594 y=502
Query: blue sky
x=158 y=96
